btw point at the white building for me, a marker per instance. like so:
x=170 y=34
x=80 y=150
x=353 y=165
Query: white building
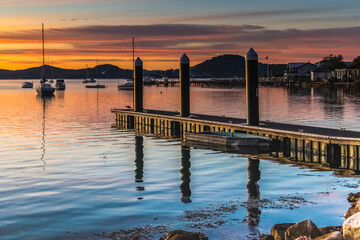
x=299 y=70
x=319 y=74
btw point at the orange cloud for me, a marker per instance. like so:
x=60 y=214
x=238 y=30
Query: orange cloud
x=160 y=46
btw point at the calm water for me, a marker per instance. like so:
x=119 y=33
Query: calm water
x=65 y=173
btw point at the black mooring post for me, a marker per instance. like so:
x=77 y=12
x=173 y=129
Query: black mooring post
x=138 y=86
x=184 y=86
x=252 y=88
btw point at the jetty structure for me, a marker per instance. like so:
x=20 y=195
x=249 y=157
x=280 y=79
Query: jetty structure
x=335 y=148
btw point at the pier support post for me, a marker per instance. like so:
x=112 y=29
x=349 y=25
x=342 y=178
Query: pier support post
x=252 y=88
x=130 y=122
x=286 y=147
x=184 y=86
x=138 y=86
x=175 y=129
x=334 y=155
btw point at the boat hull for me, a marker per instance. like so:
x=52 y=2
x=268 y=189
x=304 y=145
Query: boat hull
x=45 y=92
x=126 y=88
x=27 y=86
x=95 y=86
x=229 y=139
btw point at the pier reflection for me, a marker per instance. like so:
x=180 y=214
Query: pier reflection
x=139 y=158
x=185 y=175
x=253 y=192
x=343 y=159
x=139 y=162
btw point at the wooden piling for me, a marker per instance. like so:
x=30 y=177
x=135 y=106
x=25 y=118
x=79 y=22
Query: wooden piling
x=184 y=86
x=252 y=88
x=138 y=86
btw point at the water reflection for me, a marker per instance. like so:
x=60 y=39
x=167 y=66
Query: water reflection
x=139 y=158
x=44 y=101
x=253 y=194
x=185 y=175
x=139 y=162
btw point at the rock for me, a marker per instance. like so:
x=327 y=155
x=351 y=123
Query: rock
x=355 y=208
x=353 y=197
x=326 y=230
x=278 y=230
x=331 y=236
x=183 y=235
x=266 y=237
x=302 y=229
x=351 y=227
x=304 y=238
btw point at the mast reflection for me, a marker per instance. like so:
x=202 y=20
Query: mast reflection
x=253 y=192
x=43 y=100
x=185 y=175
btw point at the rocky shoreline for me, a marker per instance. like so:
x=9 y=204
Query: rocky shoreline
x=214 y=216
x=307 y=230
x=304 y=230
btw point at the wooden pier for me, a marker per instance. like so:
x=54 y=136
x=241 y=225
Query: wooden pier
x=336 y=148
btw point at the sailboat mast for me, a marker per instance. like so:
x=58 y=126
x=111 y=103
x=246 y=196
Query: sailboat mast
x=43 y=53
x=133 y=43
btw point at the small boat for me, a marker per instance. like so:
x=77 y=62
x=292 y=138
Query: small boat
x=229 y=139
x=27 y=85
x=60 y=84
x=45 y=89
x=127 y=85
x=95 y=86
x=87 y=80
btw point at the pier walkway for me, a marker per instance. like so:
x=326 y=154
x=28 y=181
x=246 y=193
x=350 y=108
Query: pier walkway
x=231 y=124
x=337 y=148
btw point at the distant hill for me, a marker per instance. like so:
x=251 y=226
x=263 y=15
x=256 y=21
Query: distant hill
x=230 y=66
x=100 y=71
x=220 y=66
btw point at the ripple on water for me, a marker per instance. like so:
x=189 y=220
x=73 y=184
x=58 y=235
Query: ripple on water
x=64 y=170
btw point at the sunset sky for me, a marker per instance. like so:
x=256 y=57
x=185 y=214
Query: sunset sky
x=82 y=32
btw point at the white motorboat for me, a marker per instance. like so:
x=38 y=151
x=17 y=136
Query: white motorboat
x=127 y=85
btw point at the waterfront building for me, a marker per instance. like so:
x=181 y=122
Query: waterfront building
x=351 y=72
x=299 y=70
x=320 y=74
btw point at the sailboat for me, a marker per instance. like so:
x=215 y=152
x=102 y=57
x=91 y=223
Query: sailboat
x=45 y=89
x=87 y=79
x=91 y=80
x=128 y=84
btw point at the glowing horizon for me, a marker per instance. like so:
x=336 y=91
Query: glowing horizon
x=84 y=32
